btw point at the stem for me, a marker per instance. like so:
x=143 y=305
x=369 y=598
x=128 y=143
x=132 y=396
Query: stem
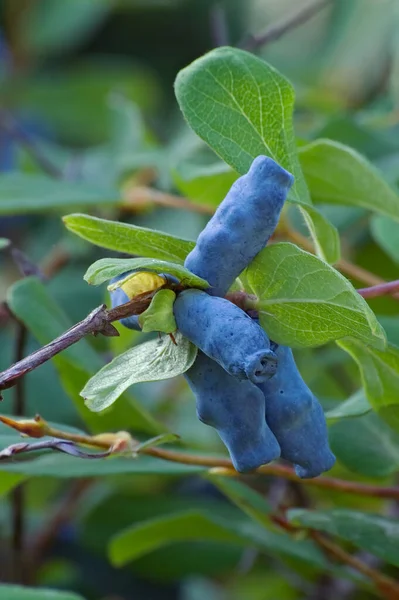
x=98 y=321
x=275 y=32
x=339 y=485
x=143 y=195
x=39 y=428
x=380 y=290
x=387 y=586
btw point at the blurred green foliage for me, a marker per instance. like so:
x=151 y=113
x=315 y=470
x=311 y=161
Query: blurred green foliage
x=89 y=85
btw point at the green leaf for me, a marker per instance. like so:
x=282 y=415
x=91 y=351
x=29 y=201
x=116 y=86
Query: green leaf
x=366 y=445
x=205 y=184
x=150 y=361
x=379 y=371
x=107 y=268
x=32 y=304
x=386 y=233
x=373 y=533
x=61 y=466
x=159 y=315
x=200 y=525
x=338 y=174
x=22 y=193
x=141 y=539
x=18 y=592
x=303 y=301
x=355 y=406
x=242 y=108
x=131 y=239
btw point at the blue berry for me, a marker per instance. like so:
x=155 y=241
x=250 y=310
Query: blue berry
x=225 y=333
x=241 y=226
x=296 y=418
x=236 y=409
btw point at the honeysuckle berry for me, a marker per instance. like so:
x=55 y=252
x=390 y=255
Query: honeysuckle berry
x=241 y=226
x=236 y=409
x=226 y=334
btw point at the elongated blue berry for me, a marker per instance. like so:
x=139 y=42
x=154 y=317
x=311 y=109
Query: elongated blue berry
x=225 y=333
x=236 y=409
x=241 y=226
x=296 y=418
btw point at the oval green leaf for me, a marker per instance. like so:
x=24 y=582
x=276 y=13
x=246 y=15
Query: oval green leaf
x=303 y=301
x=242 y=107
x=123 y=237
x=337 y=174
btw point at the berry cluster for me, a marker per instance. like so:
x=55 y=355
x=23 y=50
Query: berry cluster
x=246 y=387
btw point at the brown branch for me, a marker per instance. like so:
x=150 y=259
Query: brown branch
x=388 y=587
x=122 y=442
x=137 y=196
x=331 y=483
x=383 y=289
x=98 y=321
x=275 y=32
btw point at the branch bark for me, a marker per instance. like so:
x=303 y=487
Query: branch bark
x=275 y=32
x=122 y=442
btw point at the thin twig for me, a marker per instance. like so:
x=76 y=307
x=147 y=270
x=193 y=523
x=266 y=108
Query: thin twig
x=11 y=126
x=383 y=289
x=275 y=32
x=97 y=322
x=387 y=586
x=121 y=441
x=138 y=196
x=331 y=483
